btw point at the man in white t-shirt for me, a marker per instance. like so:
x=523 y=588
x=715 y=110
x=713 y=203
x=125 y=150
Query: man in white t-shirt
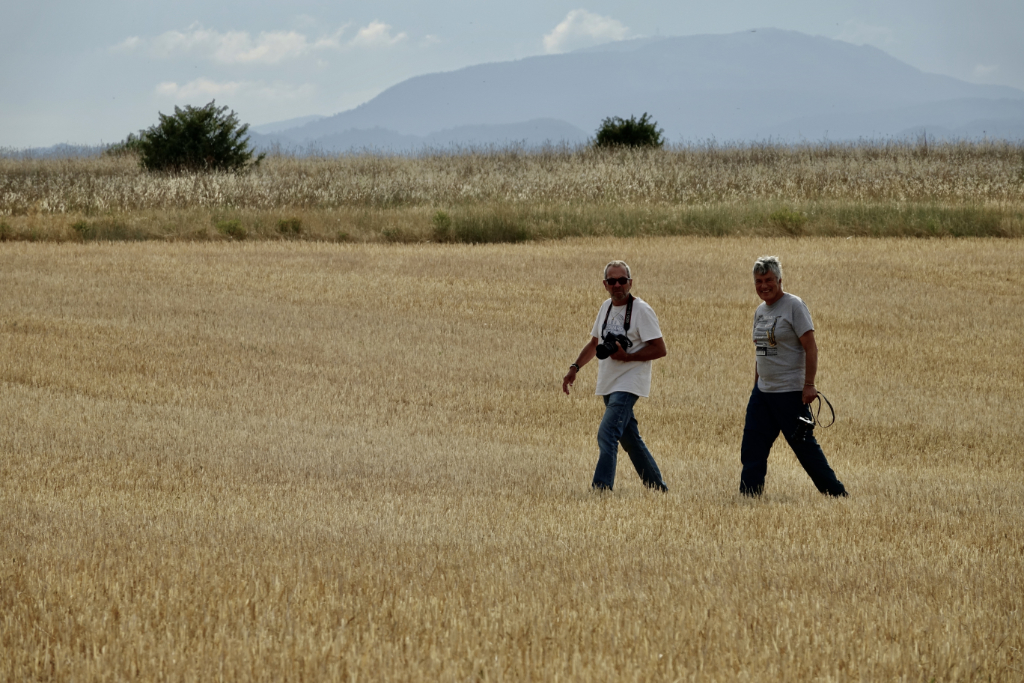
x=623 y=376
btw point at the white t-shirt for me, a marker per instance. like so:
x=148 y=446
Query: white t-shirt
x=631 y=376
x=781 y=360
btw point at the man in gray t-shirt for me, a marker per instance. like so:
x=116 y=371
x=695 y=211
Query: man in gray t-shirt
x=787 y=362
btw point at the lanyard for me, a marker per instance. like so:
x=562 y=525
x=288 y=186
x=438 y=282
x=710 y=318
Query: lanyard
x=629 y=314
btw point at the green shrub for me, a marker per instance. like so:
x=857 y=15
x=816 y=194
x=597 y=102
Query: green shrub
x=442 y=227
x=5 y=232
x=490 y=228
x=789 y=220
x=109 y=229
x=83 y=229
x=194 y=139
x=232 y=229
x=631 y=132
x=287 y=226
x=129 y=146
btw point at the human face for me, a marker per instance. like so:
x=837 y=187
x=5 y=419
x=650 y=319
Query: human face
x=768 y=287
x=619 y=293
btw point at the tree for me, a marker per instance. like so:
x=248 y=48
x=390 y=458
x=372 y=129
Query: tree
x=130 y=145
x=631 y=132
x=204 y=138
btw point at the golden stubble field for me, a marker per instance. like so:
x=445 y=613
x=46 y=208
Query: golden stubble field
x=301 y=461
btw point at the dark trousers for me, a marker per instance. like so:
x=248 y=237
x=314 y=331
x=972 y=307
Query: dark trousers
x=767 y=415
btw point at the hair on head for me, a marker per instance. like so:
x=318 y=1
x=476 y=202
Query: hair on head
x=766 y=264
x=617 y=264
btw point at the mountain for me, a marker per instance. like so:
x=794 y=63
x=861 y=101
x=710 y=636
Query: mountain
x=278 y=126
x=754 y=85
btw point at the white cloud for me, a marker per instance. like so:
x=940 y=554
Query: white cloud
x=581 y=28
x=332 y=41
x=859 y=33
x=268 y=47
x=376 y=34
x=205 y=89
x=127 y=44
x=201 y=87
x=232 y=47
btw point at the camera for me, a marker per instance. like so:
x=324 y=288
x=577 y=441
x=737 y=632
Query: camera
x=804 y=429
x=607 y=347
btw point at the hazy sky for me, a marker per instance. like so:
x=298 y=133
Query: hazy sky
x=91 y=71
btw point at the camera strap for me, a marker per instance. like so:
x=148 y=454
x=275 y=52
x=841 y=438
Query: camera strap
x=815 y=413
x=625 y=323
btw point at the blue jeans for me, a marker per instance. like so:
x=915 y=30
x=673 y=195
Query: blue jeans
x=620 y=426
x=767 y=415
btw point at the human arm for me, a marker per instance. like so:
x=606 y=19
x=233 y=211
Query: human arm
x=811 y=368
x=654 y=350
x=586 y=355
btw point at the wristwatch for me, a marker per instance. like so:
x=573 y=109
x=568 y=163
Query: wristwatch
x=573 y=365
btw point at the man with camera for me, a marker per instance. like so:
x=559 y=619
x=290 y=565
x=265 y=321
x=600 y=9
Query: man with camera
x=625 y=338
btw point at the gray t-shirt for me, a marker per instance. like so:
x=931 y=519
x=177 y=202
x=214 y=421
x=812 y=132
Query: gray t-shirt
x=781 y=360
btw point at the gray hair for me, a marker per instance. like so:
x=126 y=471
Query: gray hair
x=617 y=264
x=768 y=263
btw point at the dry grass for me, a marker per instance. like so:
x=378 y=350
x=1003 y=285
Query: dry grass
x=506 y=194
x=307 y=461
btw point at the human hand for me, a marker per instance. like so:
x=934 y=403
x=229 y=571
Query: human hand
x=620 y=354
x=810 y=393
x=568 y=380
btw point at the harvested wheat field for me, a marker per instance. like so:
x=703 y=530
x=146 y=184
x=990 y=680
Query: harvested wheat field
x=306 y=461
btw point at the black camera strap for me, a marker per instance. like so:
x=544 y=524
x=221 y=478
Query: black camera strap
x=816 y=413
x=625 y=323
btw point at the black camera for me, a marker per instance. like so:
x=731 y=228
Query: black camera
x=804 y=429
x=608 y=347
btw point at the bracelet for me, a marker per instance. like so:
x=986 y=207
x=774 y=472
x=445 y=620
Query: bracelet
x=573 y=365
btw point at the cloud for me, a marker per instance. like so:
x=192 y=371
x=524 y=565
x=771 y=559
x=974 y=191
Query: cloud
x=581 y=28
x=268 y=47
x=231 y=47
x=376 y=34
x=205 y=89
x=859 y=33
x=127 y=44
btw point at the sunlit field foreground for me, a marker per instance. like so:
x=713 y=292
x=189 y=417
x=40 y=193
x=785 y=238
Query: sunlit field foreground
x=887 y=188
x=300 y=461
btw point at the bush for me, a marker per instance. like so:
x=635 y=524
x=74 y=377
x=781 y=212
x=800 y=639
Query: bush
x=130 y=145
x=232 y=229
x=788 y=220
x=631 y=132
x=194 y=139
x=442 y=227
x=290 y=225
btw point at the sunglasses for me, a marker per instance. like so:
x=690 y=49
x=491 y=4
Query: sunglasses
x=617 y=280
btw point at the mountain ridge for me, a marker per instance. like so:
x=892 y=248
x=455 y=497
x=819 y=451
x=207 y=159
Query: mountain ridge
x=733 y=87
